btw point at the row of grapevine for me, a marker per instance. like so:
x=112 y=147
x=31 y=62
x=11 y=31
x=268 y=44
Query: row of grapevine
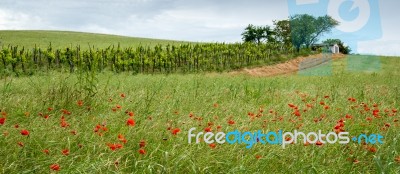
x=158 y=59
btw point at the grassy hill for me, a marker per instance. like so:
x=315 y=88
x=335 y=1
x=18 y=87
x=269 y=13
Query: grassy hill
x=61 y=39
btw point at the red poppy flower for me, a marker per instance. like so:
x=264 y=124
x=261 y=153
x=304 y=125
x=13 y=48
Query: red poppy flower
x=16 y=126
x=372 y=149
x=212 y=145
x=21 y=144
x=64 y=123
x=207 y=129
x=258 y=156
x=46 y=151
x=65 y=152
x=2 y=121
x=122 y=95
x=394 y=110
x=131 y=114
x=215 y=105
x=297 y=113
x=175 y=131
x=79 y=103
x=142 y=151
x=24 y=132
x=397 y=159
x=114 y=146
x=142 y=143
x=130 y=122
x=291 y=105
x=231 y=122
x=55 y=167
x=326 y=107
x=122 y=138
x=118 y=106
x=49 y=109
x=349 y=116
x=327 y=96
x=319 y=143
x=73 y=132
x=375 y=112
x=66 y=112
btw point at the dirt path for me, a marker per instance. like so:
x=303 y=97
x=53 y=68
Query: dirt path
x=288 y=67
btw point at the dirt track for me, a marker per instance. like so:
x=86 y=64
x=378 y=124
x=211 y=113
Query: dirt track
x=288 y=67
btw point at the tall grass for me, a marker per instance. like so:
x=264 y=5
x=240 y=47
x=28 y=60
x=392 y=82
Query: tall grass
x=163 y=102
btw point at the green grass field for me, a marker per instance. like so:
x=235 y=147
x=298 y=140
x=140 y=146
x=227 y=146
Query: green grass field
x=123 y=123
x=62 y=39
x=162 y=103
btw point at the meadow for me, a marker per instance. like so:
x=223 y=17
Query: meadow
x=57 y=122
x=62 y=39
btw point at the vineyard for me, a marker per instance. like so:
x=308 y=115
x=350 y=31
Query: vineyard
x=185 y=58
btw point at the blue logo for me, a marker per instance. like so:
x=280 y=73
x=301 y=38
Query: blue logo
x=359 y=20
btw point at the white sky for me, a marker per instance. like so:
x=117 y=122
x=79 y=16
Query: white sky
x=201 y=20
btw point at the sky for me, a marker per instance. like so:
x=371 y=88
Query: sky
x=203 y=20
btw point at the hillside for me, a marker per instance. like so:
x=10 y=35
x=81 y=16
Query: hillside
x=61 y=39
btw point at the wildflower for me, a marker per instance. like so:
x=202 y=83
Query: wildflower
x=297 y=113
x=55 y=167
x=73 y=132
x=65 y=152
x=207 y=129
x=46 y=151
x=130 y=122
x=24 y=132
x=142 y=151
x=231 y=122
x=397 y=159
x=114 y=146
x=142 y=143
x=21 y=144
x=372 y=149
x=122 y=138
x=122 y=95
x=175 y=131
x=2 y=121
x=212 y=145
x=79 y=103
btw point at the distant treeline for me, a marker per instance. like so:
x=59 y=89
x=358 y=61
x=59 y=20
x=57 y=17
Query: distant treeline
x=184 y=58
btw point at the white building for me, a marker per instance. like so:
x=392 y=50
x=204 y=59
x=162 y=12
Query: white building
x=335 y=49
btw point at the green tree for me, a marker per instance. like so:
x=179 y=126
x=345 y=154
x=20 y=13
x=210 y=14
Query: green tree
x=282 y=32
x=306 y=29
x=258 y=34
x=343 y=49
